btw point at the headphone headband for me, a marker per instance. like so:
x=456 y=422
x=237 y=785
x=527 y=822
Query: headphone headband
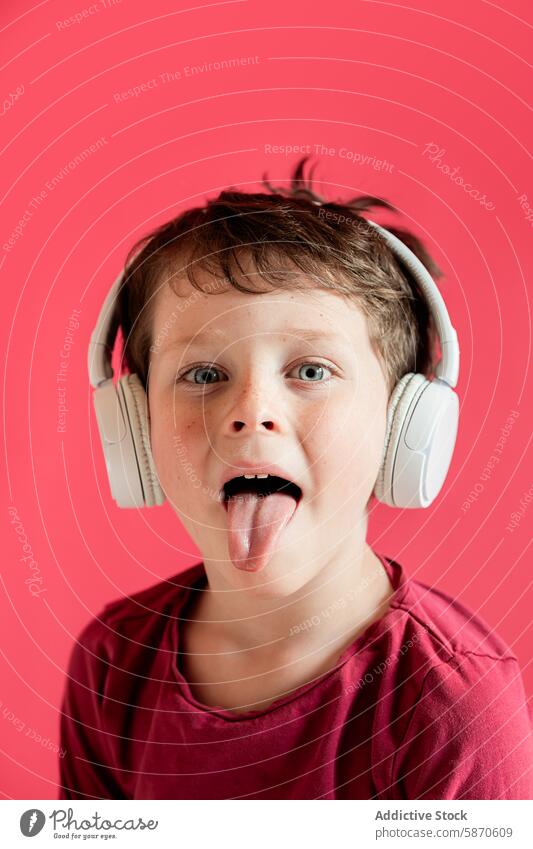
x=447 y=370
x=448 y=367
x=103 y=337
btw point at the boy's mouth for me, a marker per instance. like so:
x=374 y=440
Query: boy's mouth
x=258 y=508
x=261 y=486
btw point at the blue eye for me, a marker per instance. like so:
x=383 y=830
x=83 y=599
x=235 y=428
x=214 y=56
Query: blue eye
x=313 y=371
x=204 y=375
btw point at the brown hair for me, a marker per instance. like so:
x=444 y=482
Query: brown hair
x=283 y=232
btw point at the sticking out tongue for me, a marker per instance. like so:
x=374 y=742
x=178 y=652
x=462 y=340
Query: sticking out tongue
x=254 y=525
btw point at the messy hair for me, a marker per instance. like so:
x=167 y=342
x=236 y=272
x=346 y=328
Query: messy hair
x=285 y=232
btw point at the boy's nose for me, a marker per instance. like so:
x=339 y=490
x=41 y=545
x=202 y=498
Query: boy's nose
x=253 y=411
x=267 y=424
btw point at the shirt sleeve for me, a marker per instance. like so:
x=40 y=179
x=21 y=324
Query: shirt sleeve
x=85 y=770
x=469 y=735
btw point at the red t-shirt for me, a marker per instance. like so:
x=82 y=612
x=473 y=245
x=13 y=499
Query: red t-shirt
x=426 y=703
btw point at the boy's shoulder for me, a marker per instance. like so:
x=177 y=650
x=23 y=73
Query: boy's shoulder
x=453 y=681
x=138 y=616
x=464 y=730
x=455 y=627
x=438 y=623
x=157 y=598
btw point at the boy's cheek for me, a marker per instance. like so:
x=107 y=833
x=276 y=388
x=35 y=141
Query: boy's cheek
x=346 y=438
x=180 y=460
x=349 y=453
x=173 y=458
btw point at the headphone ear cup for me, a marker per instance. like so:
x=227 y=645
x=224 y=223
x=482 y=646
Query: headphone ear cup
x=382 y=489
x=136 y=404
x=117 y=442
x=423 y=428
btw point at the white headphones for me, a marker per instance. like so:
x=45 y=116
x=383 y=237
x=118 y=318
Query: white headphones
x=422 y=415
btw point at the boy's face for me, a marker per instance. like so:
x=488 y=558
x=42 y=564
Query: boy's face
x=236 y=381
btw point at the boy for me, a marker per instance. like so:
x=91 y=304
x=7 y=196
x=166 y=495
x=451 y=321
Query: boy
x=268 y=332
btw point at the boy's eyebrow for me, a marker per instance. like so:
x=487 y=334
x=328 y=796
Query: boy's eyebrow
x=308 y=335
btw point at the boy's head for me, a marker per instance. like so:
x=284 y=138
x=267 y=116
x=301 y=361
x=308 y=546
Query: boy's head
x=269 y=330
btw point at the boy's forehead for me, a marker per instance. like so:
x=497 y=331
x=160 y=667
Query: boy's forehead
x=308 y=313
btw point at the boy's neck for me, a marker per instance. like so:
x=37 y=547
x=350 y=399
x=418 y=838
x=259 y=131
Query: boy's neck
x=340 y=601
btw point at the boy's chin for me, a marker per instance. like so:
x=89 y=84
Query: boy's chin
x=283 y=575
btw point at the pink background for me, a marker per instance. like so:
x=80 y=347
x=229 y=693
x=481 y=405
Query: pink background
x=377 y=78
